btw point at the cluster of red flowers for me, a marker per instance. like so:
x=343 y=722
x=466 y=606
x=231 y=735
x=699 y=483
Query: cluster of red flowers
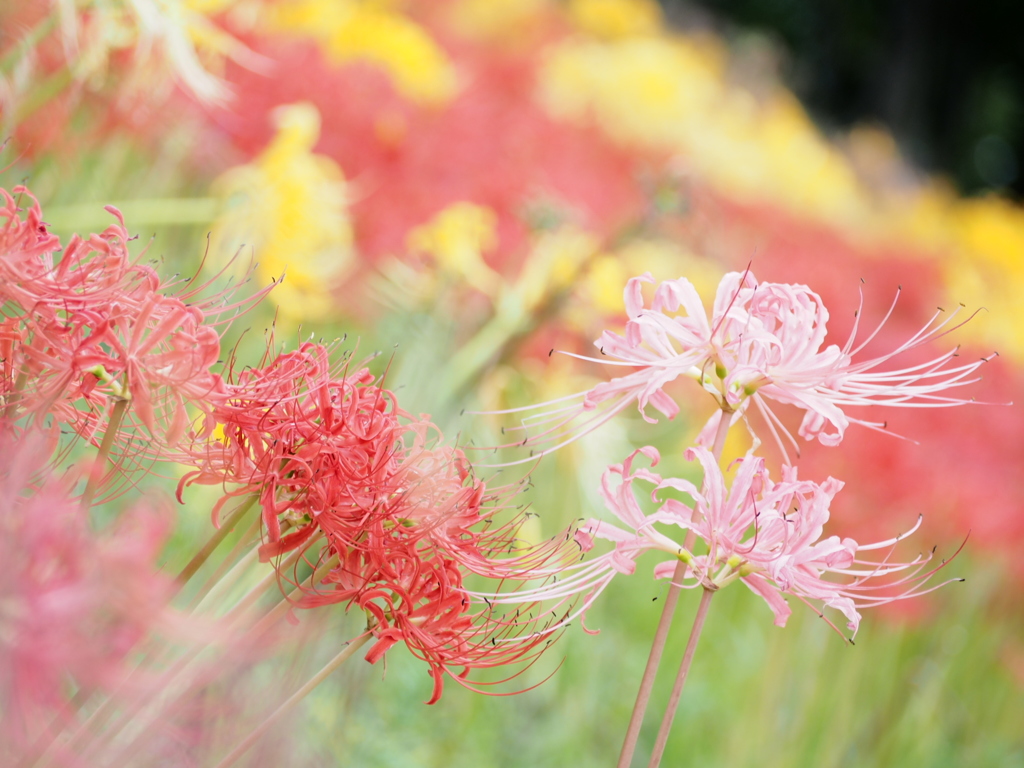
x=86 y=324
x=394 y=518
x=94 y=343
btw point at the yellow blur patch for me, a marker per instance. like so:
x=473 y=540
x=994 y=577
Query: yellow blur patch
x=987 y=270
x=290 y=207
x=496 y=19
x=359 y=30
x=603 y=286
x=553 y=265
x=616 y=18
x=456 y=238
x=673 y=93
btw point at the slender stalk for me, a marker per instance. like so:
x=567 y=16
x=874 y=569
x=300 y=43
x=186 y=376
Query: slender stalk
x=282 y=607
x=43 y=92
x=203 y=554
x=684 y=669
x=99 y=468
x=643 y=696
x=248 y=540
x=29 y=41
x=247 y=743
x=272 y=578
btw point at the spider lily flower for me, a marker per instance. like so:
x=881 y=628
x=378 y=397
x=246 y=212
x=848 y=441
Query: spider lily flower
x=88 y=323
x=392 y=520
x=762 y=344
x=764 y=533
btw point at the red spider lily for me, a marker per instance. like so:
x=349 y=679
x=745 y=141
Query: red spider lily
x=94 y=325
x=310 y=443
x=397 y=518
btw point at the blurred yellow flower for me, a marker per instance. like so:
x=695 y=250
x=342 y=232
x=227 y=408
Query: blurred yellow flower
x=642 y=90
x=363 y=30
x=456 y=238
x=987 y=269
x=554 y=264
x=616 y=18
x=672 y=93
x=496 y=19
x=290 y=206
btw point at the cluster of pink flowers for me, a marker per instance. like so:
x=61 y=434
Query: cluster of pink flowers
x=763 y=343
x=766 y=534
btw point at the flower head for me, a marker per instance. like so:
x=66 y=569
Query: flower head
x=764 y=343
x=764 y=533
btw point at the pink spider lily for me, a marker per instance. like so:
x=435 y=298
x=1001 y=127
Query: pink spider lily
x=766 y=534
x=75 y=603
x=762 y=344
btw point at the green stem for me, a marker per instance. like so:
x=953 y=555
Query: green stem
x=643 y=696
x=257 y=733
x=100 y=466
x=44 y=92
x=271 y=578
x=278 y=611
x=28 y=42
x=684 y=669
x=248 y=539
x=204 y=554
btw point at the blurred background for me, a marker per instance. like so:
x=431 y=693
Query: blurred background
x=464 y=185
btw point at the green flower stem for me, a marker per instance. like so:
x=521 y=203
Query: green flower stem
x=684 y=669
x=204 y=554
x=273 y=577
x=31 y=39
x=276 y=613
x=100 y=466
x=351 y=647
x=247 y=540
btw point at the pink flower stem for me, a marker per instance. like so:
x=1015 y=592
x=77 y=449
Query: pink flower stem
x=643 y=696
x=203 y=554
x=243 y=747
x=100 y=466
x=677 y=689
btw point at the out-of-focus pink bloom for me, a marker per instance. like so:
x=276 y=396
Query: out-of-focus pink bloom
x=762 y=344
x=74 y=603
x=767 y=534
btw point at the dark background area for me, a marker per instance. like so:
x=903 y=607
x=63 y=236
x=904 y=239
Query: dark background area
x=945 y=76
